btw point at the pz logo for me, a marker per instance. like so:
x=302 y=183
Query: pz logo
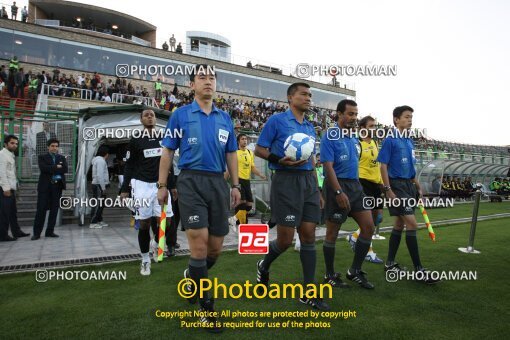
x=253 y=239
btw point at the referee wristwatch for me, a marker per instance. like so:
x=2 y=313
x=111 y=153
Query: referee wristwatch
x=386 y=188
x=160 y=185
x=338 y=192
x=237 y=186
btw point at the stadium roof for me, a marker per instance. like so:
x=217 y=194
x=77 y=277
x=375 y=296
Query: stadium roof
x=69 y=11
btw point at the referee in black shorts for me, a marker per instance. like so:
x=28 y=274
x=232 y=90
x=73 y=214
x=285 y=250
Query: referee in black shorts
x=340 y=151
x=397 y=158
x=295 y=198
x=206 y=143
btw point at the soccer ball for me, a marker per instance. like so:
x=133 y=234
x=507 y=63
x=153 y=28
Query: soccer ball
x=299 y=146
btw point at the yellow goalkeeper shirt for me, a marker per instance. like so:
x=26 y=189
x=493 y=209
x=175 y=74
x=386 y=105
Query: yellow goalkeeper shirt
x=245 y=160
x=368 y=166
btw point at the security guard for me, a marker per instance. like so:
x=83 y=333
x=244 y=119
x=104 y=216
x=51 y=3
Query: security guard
x=397 y=158
x=14 y=64
x=206 y=144
x=158 y=87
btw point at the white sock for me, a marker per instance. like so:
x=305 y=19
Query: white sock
x=145 y=257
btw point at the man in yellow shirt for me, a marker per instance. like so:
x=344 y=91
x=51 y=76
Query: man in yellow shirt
x=370 y=179
x=245 y=166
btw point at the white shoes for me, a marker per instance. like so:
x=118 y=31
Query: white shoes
x=103 y=224
x=232 y=223
x=145 y=268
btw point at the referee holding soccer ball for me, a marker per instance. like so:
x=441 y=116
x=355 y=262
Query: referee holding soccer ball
x=295 y=198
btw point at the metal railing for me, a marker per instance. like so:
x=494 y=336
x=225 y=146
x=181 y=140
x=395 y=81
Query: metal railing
x=286 y=70
x=46 y=89
x=121 y=98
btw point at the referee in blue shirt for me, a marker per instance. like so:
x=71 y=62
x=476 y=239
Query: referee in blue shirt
x=295 y=198
x=397 y=158
x=207 y=144
x=340 y=153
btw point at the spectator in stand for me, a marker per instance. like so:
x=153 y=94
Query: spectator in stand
x=172 y=44
x=179 y=48
x=3 y=74
x=32 y=88
x=43 y=78
x=165 y=46
x=56 y=73
x=19 y=82
x=14 y=11
x=11 y=83
x=3 y=13
x=81 y=78
x=106 y=97
x=24 y=14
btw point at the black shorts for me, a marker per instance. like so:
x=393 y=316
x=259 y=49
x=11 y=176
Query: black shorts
x=245 y=190
x=294 y=198
x=372 y=189
x=204 y=200
x=354 y=191
x=403 y=188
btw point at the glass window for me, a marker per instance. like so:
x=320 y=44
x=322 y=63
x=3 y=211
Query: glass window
x=194 y=45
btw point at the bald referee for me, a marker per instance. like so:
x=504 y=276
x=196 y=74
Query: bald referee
x=207 y=144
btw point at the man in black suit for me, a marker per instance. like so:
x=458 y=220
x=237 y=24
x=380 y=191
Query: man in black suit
x=49 y=188
x=42 y=139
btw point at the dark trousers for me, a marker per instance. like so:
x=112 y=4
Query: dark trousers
x=97 y=211
x=8 y=215
x=19 y=92
x=47 y=200
x=10 y=89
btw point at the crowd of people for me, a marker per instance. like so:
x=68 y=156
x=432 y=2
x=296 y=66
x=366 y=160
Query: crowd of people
x=247 y=115
x=463 y=188
x=454 y=187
